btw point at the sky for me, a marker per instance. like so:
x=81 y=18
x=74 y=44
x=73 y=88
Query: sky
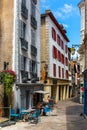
x=67 y=13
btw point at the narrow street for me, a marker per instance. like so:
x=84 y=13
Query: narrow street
x=65 y=116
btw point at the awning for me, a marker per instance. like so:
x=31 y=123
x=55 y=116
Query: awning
x=41 y=92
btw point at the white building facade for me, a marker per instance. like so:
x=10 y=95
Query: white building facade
x=54 y=52
x=26 y=59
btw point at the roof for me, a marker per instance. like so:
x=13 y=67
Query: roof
x=63 y=31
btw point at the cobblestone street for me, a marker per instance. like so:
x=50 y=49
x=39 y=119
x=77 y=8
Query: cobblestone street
x=65 y=116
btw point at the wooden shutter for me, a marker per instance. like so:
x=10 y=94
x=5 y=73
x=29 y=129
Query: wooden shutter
x=62 y=72
x=59 y=71
x=54 y=70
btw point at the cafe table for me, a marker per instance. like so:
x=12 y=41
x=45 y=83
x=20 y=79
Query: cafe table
x=28 y=113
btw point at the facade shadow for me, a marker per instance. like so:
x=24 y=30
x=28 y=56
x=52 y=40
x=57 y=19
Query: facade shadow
x=75 y=121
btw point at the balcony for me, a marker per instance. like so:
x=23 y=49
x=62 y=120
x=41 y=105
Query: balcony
x=24 y=75
x=33 y=50
x=33 y=22
x=24 y=44
x=24 y=11
x=34 y=1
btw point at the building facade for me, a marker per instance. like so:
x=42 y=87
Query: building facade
x=54 y=57
x=20 y=47
x=81 y=50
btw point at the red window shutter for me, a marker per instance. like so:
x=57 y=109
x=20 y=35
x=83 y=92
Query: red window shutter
x=63 y=59
x=66 y=61
x=53 y=34
x=62 y=45
x=62 y=72
x=66 y=74
x=54 y=70
x=54 y=52
x=66 y=48
x=58 y=39
x=59 y=71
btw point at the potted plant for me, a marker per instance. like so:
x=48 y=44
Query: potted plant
x=7 y=79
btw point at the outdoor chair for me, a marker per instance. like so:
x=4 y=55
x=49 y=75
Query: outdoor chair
x=14 y=115
x=22 y=113
x=35 y=117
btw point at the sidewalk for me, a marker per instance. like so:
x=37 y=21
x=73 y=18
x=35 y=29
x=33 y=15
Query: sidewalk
x=65 y=116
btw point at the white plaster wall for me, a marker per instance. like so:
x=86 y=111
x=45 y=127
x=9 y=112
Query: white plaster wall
x=49 y=25
x=82 y=24
x=16 y=43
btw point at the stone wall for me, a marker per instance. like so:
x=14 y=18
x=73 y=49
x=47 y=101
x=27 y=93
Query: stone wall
x=6 y=32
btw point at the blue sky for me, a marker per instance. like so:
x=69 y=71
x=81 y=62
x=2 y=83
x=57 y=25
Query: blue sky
x=67 y=13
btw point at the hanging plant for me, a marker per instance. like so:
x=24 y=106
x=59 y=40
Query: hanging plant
x=7 y=78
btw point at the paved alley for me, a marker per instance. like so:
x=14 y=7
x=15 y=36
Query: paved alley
x=65 y=116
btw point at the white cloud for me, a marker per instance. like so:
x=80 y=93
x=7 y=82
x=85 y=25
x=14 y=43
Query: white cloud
x=65 y=12
x=67 y=8
x=65 y=25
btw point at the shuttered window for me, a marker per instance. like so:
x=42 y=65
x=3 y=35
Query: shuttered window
x=62 y=58
x=59 y=71
x=54 y=52
x=53 y=34
x=62 y=72
x=58 y=39
x=66 y=74
x=66 y=59
x=62 y=44
x=59 y=56
x=54 y=70
x=66 y=48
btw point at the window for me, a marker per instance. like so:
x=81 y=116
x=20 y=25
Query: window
x=66 y=59
x=62 y=45
x=66 y=48
x=59 y=56
x=23 y=63
x=53 y=34
x=24 y=2
x=33 y=9
x=62 y=72
x=33 y=37
x=54 y=70
x=54 y=52
x=62 y=58
x=24 y=30
x=58 y=39
x=66 y=74
x=33 y=68
x=59 y=71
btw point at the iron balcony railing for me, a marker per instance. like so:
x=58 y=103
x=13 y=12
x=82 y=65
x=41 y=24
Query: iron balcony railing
x=24 y=11
x=33 y=22
x=24 y=76
x=24 y=44
x=33 y=50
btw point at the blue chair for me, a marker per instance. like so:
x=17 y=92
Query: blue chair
x=14 y=115
x=35 y=116
x=22 y=113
